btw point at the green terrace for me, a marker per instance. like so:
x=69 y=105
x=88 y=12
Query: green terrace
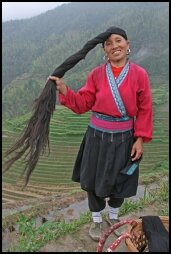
x=66 y=133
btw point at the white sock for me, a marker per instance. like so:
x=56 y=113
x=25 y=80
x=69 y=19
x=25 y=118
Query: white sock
x=97 y=217
x=113 y=212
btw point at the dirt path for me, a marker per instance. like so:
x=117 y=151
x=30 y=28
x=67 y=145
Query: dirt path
x=70 y=209
x=81 y=241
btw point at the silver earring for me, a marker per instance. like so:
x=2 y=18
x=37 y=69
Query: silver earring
x=128 y=51
x=105 y=58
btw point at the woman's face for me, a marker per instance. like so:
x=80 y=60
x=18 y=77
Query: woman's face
x=116 y=48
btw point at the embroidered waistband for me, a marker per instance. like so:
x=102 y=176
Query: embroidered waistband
x=109 y=123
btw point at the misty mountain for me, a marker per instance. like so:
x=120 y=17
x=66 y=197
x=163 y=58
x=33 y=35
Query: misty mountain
x=32 y=48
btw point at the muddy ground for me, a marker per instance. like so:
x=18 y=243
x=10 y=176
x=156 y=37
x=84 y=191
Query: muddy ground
x=81 y=241
x=69 y=208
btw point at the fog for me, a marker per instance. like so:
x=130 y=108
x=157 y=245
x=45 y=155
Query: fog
x=23 y=10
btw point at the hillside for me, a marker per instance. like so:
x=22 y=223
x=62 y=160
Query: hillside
x=33 y=48
x=52 y=174
x=50 y=214
x=61 y=224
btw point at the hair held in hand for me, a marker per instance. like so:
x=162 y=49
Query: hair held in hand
x=35 y=136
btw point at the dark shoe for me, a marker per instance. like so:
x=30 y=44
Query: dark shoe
x=119 y=231
x=95 y=231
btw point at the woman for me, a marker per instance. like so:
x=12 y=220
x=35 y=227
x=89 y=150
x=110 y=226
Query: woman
x=119 y=96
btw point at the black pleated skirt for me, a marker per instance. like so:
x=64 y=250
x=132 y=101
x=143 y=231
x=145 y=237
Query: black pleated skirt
x=100 y=162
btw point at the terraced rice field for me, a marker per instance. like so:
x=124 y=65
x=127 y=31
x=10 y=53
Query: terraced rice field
x=52 y=174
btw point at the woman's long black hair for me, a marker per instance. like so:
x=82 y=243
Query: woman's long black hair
x=35 y=137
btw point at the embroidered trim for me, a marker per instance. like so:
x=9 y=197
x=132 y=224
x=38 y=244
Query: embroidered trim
x=132 y=169
x=122 y=75
x=108 y=131
x=111 y=118
x=110 y=124
x=114 y=86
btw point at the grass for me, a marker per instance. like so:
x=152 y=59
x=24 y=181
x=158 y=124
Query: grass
x=160 y=195
x=32 y=238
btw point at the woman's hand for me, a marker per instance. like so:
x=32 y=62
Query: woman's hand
x=137 y=149
x=60 y=85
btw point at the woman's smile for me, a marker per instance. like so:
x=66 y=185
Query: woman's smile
x=116 y=52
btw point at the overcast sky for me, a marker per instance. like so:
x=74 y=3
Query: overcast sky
x=23 y=10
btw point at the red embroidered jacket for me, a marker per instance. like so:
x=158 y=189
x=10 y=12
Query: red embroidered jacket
x=96 y=95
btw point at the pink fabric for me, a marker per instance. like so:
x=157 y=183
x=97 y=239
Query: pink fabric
x=96 y=95
x=106 y=125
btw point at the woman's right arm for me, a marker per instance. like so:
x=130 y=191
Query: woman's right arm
x=79 y=102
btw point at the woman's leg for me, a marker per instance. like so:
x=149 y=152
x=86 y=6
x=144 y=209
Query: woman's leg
x=112 y=218
x=114 y=205
x=96 y=205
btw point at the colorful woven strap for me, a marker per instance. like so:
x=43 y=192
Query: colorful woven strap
x=115 y=84
x=110 y=124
